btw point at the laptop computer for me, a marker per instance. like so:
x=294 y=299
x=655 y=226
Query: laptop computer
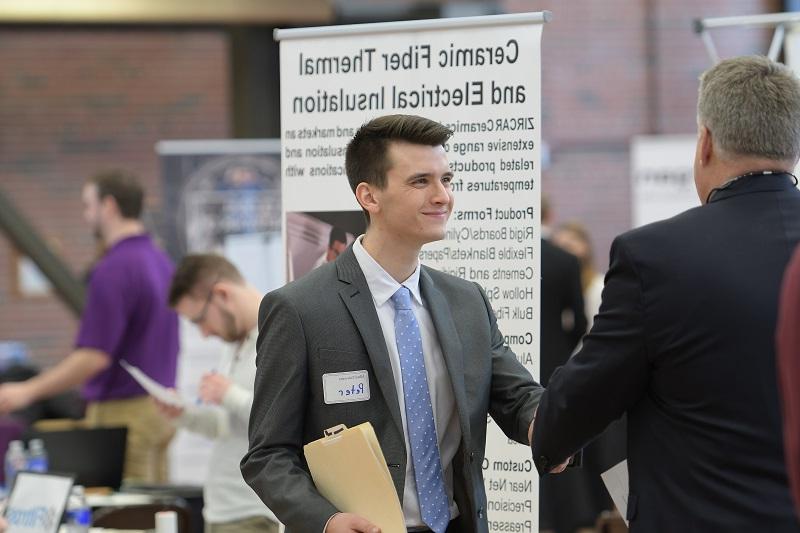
x=36 y=502
x=95 y=456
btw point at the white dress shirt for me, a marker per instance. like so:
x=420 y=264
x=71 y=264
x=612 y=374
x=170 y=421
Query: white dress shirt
x=448 y=430
x=226 y=496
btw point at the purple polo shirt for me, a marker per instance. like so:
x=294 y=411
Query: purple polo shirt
x=127 y=317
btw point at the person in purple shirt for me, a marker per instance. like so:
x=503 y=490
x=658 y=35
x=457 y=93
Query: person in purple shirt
x=126 y=317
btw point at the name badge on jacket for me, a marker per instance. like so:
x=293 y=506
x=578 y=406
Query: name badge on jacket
x=342 y=387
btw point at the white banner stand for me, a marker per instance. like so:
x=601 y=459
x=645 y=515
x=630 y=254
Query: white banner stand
x=481 y=77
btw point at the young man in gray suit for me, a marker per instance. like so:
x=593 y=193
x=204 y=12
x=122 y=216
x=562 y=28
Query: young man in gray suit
x=424 y=345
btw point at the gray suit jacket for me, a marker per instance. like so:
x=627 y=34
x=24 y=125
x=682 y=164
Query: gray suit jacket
x=326 y=322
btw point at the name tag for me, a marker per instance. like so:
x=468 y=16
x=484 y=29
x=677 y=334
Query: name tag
x=346 y=387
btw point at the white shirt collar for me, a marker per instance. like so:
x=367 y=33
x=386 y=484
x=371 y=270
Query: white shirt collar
x=381 y=284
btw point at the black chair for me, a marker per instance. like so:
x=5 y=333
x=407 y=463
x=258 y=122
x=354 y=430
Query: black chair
x=141 y=516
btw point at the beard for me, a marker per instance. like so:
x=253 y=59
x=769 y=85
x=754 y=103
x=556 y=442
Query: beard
x=230 y=332
x=100 y=247
x=97 y=233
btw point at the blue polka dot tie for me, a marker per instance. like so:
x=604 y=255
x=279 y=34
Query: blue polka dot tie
x=433 y=500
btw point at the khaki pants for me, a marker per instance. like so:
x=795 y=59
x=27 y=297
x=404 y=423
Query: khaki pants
x=149 y=434
x=255 y=524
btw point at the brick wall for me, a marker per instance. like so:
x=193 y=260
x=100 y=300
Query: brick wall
x=615 y=69
x=75 y=101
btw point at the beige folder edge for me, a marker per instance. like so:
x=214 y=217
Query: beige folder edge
x=349 y=470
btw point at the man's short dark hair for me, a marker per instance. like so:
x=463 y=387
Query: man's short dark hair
x=366 y=159
x=124 y=188
x=337 y=235
x=196 y=273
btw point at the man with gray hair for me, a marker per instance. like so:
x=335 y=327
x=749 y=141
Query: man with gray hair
x=684 y=342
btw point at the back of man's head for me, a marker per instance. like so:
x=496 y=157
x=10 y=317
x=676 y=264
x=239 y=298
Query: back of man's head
x=751 y=106
x=367 y=158
x=197 y=273
x=337 y=235
x=124 y=188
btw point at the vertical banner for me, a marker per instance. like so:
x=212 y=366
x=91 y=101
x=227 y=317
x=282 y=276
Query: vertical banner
x=224 y=196
x=481 y=77
x=662 y=177
x=791 y=48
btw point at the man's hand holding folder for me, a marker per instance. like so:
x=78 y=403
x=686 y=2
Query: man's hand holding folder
x=348 y=523
x=350 y=471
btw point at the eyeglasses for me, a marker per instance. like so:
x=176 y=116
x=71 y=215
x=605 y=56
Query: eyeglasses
x=201 y=316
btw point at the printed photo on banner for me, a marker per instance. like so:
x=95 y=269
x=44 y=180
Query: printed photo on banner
x=316 y=238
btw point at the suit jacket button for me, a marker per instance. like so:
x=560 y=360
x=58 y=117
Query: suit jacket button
x=480 y=512
x=471 y=457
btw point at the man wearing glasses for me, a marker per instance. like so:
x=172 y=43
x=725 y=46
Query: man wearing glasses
x=209 y=291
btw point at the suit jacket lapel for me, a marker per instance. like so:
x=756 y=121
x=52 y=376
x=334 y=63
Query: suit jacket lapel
x=359 y=303
x=451 y=346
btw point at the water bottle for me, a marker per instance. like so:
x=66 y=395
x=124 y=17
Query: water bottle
x=78 y=516
x=16 y=460
x=37 y=456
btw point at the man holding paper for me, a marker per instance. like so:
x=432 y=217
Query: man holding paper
x=684 y=341
x=126 y=317
x=374 y=336
x=208 y=290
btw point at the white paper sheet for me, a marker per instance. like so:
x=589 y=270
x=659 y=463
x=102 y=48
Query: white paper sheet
x=616 y=481
x=153 y=388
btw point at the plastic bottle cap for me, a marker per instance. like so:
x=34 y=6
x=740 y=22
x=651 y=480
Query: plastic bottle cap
x=166 y=522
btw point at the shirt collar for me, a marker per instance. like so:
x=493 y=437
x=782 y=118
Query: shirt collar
x=137 y=237
x=380 y=283
x=755 y=182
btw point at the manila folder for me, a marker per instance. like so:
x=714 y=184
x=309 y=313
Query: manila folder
x=350 y=472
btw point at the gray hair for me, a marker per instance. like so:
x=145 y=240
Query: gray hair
x=751 y=105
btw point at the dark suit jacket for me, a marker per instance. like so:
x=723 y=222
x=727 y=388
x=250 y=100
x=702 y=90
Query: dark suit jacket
x=575 y=498
x=684 y=342
x=788 y=338
x=561 y=293
x=326 y=322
